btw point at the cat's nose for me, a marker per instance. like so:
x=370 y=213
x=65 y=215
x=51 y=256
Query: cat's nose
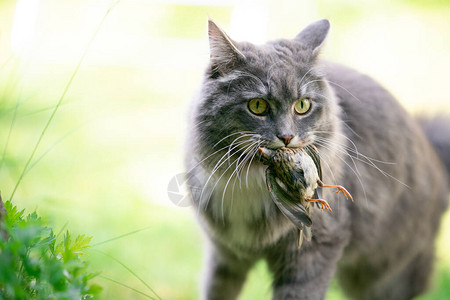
x=286 y=139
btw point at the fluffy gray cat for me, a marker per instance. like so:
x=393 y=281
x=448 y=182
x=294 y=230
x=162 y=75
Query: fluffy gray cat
x=279 y=94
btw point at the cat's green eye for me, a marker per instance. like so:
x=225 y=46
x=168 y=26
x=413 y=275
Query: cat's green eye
x=302 y=106
x=258 y=106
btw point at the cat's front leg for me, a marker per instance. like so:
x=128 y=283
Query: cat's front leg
x=224 y=274
x=303 y=273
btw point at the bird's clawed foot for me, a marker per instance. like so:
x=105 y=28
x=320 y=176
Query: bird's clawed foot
x=322 y=202
x=340 y=189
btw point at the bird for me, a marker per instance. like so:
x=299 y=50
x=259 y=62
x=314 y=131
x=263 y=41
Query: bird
x=293 y=177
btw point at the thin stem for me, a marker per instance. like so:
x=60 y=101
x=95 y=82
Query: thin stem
x=69 y=83
x=127 y=286
x=129 y=270
x=120 y=236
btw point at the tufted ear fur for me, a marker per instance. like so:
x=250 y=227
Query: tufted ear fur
x=224 y=54
x=314 y=35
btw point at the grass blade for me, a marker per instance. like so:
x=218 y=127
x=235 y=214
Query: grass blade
x=5 y=63
x=129 y=270
x=127 y=286
x=13 y=121
x=60 y=100
x=51 y=147
x=120 y=236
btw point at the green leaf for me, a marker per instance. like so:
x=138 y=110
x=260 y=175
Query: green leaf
x=81 y=242
x=13 y=216
x=35 y=264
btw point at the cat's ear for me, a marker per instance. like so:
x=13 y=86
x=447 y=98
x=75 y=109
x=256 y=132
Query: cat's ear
x=314 y=35
x=224 y=55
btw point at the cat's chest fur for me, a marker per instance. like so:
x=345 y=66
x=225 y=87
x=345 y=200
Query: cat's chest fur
x=245 y=212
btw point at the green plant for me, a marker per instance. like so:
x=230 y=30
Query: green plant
x=37 y=264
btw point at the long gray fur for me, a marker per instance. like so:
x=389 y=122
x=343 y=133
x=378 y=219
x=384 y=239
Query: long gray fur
x=381 y=246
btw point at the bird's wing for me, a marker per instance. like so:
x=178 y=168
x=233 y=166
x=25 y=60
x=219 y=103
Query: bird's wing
x=294 y=211
x=314 y=154
x=307 y=233
x=304 y=233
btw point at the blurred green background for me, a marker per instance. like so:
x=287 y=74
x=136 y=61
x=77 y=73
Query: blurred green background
x=103 y=165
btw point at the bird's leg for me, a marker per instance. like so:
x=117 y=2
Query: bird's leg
x=322 y=202
x=340 y=189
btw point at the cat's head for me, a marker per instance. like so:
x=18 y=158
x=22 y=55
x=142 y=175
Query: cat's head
x=272 y=95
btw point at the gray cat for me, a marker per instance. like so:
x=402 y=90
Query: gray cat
x=279 y=94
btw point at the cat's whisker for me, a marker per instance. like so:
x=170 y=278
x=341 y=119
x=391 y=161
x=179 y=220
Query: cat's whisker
x=354 y=150
x=334 y=83
x=229 y=84
x=342 y=120
x=216 y=167
x=349 y=150
x=231 y=145
x=229 y=154
x=234 y=133
x=346 y=150
x=239 y=74
x=245 y=135
x=257 y=137
x=344 y=146
x=204 y=159
x=248 y=74
x=194 y=126
x=356 y=174
x=321 y=156
x=369 y=162
x=338 y=85
x=311 y=81
x=341 y=144
x=333 y=150
x=321 y=95
x=225 y=157
x=360 y=154
x=238 y=164
x=204 y=202
x=303 y=77
x=250 y=163
x=350 y=128
x=324 y=158
x=226 y=170
x=238 y=161
x=246 y=158
x=341 y=135
x=335 y=145
x=235 y=179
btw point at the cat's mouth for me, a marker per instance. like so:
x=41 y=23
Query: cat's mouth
x=295 y=143
x=244 y=152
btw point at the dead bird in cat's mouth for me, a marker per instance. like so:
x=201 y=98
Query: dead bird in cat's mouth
x=293 y=176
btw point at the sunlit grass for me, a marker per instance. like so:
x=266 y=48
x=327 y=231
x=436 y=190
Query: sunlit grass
x=117 y=138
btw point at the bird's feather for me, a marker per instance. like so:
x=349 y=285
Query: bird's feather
x=294 y=211
x=314 y=154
